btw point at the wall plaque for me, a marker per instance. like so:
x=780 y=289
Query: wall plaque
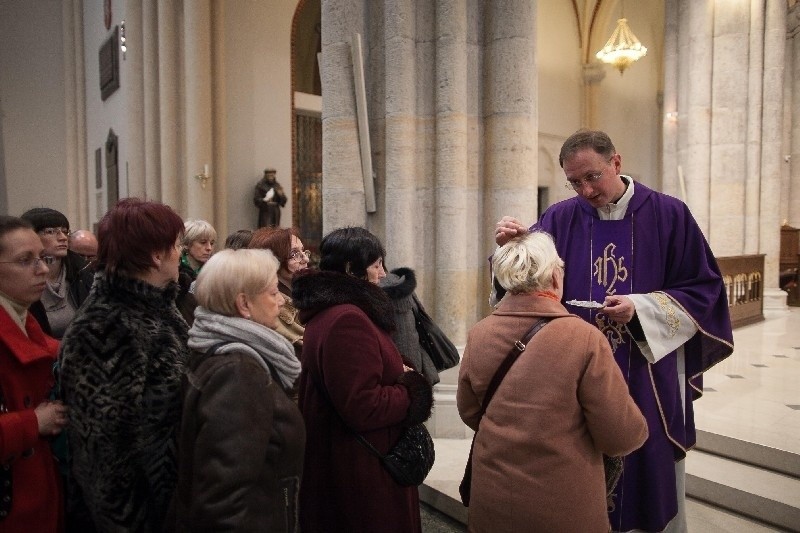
x=109 y=65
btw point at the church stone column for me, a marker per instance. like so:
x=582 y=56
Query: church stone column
x=132 y=169
x=793 y=70
x=455 y=280
x=698 y=118
x=754 y=129
x=729 y=104
x=170 y=120
x=511 y=119
x=772 y=137
x=199 y=109
x=152 y=145
x=79 y=178
x=404 y=226
x=342 y=185
x=669 y=170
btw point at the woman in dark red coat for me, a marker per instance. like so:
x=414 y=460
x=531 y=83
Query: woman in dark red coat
x=353 y=379
x=27 y=418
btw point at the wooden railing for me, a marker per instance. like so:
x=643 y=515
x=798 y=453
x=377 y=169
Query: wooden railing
x=744 y=282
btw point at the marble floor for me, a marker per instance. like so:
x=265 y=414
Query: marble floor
x=754 y=396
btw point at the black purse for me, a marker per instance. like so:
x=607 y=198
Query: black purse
x=410 y=459
x=439 y=348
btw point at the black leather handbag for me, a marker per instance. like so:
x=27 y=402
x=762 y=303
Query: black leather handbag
x=411 y=457
x=439 y=348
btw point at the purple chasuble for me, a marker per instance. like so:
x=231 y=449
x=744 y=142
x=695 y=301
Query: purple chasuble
x=657 y=246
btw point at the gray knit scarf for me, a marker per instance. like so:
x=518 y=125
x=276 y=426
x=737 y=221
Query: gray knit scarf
x=263 y=343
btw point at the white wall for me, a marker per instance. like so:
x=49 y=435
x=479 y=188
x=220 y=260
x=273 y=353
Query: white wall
x=258 y=103
x=32 y=114
x=102 y=115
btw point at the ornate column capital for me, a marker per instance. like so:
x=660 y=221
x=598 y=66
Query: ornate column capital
x=593 y=73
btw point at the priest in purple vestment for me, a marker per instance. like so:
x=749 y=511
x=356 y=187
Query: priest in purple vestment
x=641 y=254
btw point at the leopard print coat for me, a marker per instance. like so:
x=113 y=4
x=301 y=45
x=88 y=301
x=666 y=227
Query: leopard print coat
x=121 y=364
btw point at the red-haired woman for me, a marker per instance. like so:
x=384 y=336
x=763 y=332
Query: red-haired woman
x=287 y=247
x=121 y=366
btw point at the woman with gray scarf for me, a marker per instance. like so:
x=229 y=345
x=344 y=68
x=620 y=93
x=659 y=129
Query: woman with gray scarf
x=241 y=441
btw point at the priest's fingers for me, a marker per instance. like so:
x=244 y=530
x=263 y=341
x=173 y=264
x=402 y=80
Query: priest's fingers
x=619 y=308
x=507 y=228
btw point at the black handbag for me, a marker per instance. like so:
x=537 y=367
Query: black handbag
x=439 y=348
x=411 y=457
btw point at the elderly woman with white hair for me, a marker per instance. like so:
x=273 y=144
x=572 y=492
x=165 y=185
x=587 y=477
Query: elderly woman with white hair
x=538 y=455
x=199 y=238
x=241 y=440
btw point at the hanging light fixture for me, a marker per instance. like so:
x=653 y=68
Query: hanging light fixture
x=623 y=48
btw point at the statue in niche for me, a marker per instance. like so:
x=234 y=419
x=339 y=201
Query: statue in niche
x=269 y=198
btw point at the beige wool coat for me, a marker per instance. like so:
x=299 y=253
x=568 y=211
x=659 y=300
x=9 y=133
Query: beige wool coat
x=537 y=462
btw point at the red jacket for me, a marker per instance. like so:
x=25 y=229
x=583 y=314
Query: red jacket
x=26 y=379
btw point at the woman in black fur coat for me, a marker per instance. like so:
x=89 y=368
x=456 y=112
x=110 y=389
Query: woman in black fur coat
x=121 y=365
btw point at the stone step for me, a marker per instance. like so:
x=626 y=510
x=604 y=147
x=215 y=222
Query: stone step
x=440 y=491
x=752 y=491
x=753 y=453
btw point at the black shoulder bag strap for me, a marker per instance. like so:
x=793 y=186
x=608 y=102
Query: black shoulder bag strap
x=500 y=373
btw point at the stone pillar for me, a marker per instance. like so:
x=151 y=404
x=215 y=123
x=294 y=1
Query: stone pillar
x=341 y=162
x=150 y=111
x=669 y=169
x=772 y=136
x=698 y=120
x=455 y=280
x=592 y=75
x=199 y=109
x=793 y=70
x=77 y=171
x=169 y=106
x=754 y=129
x=511 y=120
x=404 y=230
x=132 y=169
x=729 y=126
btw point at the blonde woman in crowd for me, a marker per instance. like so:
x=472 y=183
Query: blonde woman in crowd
x=199 y=238
x=242 y=438
x=538 y=453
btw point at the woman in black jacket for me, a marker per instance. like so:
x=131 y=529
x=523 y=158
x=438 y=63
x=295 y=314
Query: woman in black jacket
x=69 y=280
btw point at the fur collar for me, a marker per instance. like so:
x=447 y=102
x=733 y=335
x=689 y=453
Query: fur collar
x=399 y=283
x=316 y=290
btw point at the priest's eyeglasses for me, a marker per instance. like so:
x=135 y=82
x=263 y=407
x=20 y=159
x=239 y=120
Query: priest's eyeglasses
x=31 y=262
x=576 y=184
x=300 y=255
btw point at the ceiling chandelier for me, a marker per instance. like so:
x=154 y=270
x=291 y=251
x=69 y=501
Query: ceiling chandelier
x=623 y=48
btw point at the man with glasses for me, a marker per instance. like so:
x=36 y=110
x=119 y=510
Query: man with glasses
x=639 y=268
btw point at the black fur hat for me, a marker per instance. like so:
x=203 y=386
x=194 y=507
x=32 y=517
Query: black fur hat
x=44 y=217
